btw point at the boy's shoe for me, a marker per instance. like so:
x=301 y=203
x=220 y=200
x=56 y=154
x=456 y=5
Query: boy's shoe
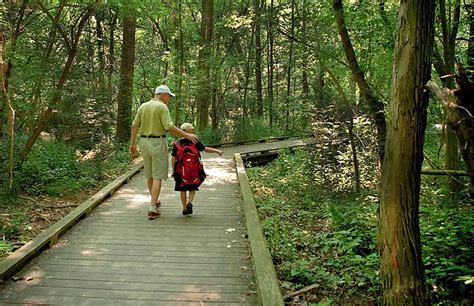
x=158 y=204
x=153 y=215
x=185 y=211
x=189 y=209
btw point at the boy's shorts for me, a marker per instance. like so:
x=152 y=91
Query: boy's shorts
x=155 y=157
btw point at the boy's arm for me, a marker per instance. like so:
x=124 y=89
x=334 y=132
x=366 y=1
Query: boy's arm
x=212 y=150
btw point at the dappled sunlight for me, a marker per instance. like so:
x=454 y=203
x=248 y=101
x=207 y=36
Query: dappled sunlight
x=90 y=253
x=205 y=296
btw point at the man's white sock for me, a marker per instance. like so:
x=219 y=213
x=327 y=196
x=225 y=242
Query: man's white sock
x=153 y=207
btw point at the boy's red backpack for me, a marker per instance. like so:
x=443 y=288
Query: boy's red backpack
x=189 y=170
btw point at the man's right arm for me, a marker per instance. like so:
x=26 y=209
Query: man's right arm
x=133 y=138
x=178 y=132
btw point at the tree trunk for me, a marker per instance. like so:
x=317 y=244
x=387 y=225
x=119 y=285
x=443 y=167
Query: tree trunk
x=204 y=96
x=179 y=70
x=8 y=65
x=125 y=96
x=71 y=44
x=375 y=106
x=270 y=65
x=111 y=61
x=100 y=54
x=6 y=106
x=445 y=67
x=459 y=109
x=288 y=71
x=348 y=116
x=258 y=57
x=402 y=271
x=305 y=82
x=470 y=45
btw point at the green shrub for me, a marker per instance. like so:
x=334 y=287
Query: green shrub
x=54 y=168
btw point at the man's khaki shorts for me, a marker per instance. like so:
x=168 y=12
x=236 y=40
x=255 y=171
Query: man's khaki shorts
x=155 y=157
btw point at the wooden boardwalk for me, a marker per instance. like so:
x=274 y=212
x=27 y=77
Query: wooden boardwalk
x=118 y=257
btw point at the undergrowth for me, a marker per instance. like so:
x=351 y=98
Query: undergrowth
x=54 y=170
x=328 y=238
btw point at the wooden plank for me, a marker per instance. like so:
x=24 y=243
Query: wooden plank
x=94 y=301
x=121 y=250
x=153 y=278
x=200 y=242
x=137 y=296
x=267 y=282
x=112 y=284
x=144 y=271
x=50 y=236
x=137 y=263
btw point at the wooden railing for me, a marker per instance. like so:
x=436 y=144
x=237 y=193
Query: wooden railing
x=268 y=290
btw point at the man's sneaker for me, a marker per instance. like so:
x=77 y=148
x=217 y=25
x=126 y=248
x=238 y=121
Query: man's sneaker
x=185 y=211
x=189 y=209
x=153 y=215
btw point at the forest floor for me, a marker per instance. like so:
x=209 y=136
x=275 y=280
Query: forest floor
x=22 y=220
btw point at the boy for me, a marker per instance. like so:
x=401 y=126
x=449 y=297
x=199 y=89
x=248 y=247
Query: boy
x=186 y=201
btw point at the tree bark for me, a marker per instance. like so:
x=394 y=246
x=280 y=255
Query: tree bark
x=375 y=106
x=204 y=96
x=399 y=244
x=124 y=100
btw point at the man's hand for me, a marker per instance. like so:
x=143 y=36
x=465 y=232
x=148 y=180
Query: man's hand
x=192 y=137
x=133 y=150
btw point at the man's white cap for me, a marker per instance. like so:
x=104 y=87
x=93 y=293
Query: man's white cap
x=164 y=89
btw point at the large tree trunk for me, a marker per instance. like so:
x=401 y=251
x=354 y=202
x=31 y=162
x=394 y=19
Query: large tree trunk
x=124 y=101
x=375 y=106
x=398 y=229
x=258 y=57
x=204 y=96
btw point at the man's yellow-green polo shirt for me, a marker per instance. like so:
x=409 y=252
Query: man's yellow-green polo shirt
x=153 y=118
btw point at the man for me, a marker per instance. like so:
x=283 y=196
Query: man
x=153 y=121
